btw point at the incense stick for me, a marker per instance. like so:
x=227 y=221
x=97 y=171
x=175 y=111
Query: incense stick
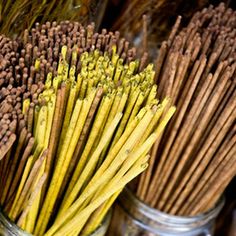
x=89 y=102
x=187 y=154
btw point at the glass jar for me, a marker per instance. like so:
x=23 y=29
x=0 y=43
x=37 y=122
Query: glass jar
x=136 y=218
x=7 y=228
x=102 y=229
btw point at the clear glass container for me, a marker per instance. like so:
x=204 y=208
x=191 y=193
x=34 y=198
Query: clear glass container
x=7 y=228
x=102 y=229
x=132 y=217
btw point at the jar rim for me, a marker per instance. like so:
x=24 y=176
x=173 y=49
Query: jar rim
x=9 y=223
x=106 y=222
x=163 y=217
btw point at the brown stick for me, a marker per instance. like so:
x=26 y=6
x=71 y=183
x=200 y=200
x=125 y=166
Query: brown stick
x=14 y=162
x=203 y=158
x=30 y=118
x=160 y=60
x=145 y=178
x=33 y=195
x=145 y=36
x=190 y=121
x=230 y=87
x=172 y=72
x=181 y=73
x=21 y=166
x=165 y=157
x=216 y=163
x=204 y=120
x=217 y=187
x=6 y=147
x=28 y=185
x=174 y=31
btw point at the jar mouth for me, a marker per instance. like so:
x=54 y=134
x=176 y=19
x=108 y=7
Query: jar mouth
x=16 y=230
x=101 y=229
x=160 y=218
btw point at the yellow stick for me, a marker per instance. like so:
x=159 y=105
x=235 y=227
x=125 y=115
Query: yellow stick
x=96 y=219
x=100 y=176
x=111 y=115
x=140 y=156
x=85 y=213
x=44 y=127
x=127 y=113
x=89 y=168
x=104 y=123
x=60 y=170
x=156 y=118
x=22 y=183
x=81 y=125
x=36 y=114
x=51 y=108
x=48 y=82
x=26 y=104
x=28 y=185
x=165 y=120
x=32 y=205
x=78 y=85
x=152 y=95
x=136 y=107
x=37 y=64
x=31 y=199
x=83 y=89
x=103 y=109
x=41 y=126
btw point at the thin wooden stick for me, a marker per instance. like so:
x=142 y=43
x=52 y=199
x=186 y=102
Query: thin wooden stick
x=28 y=185
x=203 y=123
x=217 y=187
x=198 y=166
x=14 y=163
x=216 y=163
x=33 y=196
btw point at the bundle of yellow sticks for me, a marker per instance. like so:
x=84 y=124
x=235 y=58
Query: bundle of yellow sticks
x=92 y=124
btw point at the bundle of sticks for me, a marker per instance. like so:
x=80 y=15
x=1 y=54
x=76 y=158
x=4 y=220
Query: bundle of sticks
x=19 y=15
x=89 y=118
x=26 y=66
x=160 y=17
x=10 y=100
x=194 y=160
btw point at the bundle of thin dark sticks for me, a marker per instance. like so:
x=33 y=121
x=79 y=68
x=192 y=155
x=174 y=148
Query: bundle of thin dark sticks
x=10 y=100
x=195 y=159
x=160 y=17
x=86 y=117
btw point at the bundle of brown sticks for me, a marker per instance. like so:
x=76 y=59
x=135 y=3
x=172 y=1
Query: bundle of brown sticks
x=160 y=17
x=195 y=159
x=10 y=99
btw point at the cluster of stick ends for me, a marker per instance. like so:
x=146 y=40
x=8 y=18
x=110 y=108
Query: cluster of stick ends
x=70 y=92
x=195 y=159
x=156 y=23
x=19 y=75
